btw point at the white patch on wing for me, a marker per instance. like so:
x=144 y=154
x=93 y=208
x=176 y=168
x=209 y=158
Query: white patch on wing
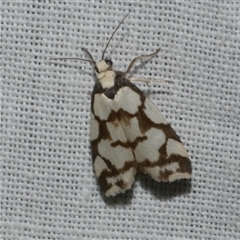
x=116 y=132
x=153 y=112
x=148 y=149
x=177 y=176
x=127 y=99
x=117 y=155
x=132 y=129
x=153 y=171
x=91 y=115
x=99 y=166
x=127 y=178
x=94 y=128
x=170 y=167
x=156 y=171
x=102 y=106
x=175 y=147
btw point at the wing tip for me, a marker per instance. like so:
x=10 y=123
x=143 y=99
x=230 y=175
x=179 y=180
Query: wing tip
x=179 y=176
x=120 y=184
x=115 y=190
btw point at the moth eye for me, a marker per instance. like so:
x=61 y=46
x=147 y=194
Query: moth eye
x=108 y=62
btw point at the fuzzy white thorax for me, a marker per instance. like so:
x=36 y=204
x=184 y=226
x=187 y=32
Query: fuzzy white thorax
x=107 y=78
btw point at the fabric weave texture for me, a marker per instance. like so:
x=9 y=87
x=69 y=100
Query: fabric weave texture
x=48 y=187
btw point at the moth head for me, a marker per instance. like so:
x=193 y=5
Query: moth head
x=103 y=65
x=100 y=66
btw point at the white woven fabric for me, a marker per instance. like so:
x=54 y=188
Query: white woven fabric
x=48 y=188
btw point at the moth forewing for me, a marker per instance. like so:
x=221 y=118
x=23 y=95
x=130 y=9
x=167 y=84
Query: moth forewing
x=132 y=131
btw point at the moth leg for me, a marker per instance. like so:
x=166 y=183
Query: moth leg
x=140 y=58
x=148 y=80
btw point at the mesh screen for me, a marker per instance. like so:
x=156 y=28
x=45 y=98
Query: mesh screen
x=48 y=188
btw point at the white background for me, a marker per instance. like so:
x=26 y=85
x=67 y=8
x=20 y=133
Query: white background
x=48 y=188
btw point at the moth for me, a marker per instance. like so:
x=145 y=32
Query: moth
x=127 y=131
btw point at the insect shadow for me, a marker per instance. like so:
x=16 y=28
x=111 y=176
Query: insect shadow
x=164 y=190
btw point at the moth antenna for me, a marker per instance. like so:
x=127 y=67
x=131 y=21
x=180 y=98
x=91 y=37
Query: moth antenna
x=81 y=59
x=89 y=54
x=113 y=35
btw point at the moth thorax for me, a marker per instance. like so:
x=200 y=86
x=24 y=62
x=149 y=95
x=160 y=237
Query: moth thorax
x=107 y=78
x=103 y=65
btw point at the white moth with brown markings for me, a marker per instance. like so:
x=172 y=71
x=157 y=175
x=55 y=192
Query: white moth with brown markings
x=128 y=131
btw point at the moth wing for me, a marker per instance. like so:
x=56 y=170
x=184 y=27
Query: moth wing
x=113 y=158
x=158 y=150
